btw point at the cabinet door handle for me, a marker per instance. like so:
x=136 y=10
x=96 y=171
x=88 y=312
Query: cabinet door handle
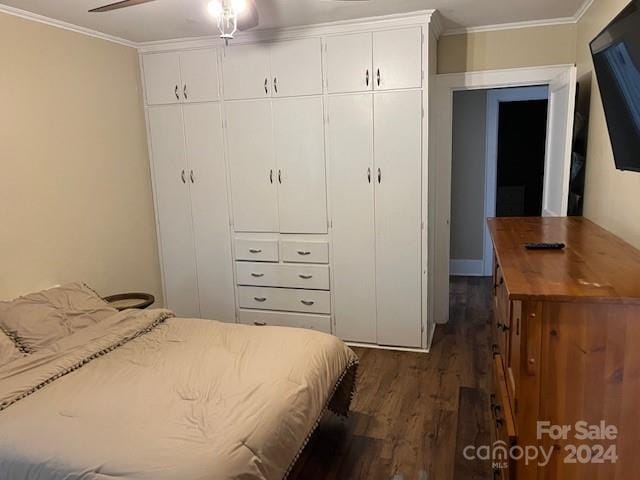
x=177 y=93
x=271 y=176
x=191 y=176
x=367 y=77
x=266 y=85
x=308 y=303
x=182 y=176
x=275 y=84
x=260 y=324
x=379 y=77
x=280 y=176
x=379 y=176
x=184 y=92
x=303 y=253
x=255 y=250
x=305 y=277
x=260 y=299
x=369 y=174
x=257 y=275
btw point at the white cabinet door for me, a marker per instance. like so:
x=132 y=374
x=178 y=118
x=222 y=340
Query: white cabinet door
x=397 y=59
x=296 y=68
x=205 y=158
x=299 y=145
x=349 y=63
x=162 y=78
x=199 y=71
x=350 y=137
x=246 y=71
x=252 y=164
x=174 y=212
x=398 y=152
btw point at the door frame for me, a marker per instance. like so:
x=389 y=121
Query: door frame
x=494 y=98
x=440 y=160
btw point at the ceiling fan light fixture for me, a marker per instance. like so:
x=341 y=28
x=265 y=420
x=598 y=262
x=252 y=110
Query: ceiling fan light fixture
x=226 y=12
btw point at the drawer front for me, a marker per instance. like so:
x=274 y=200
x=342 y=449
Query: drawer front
x=502 y=418
x=312 y=277
x=290 y=300
x=304 y=252
x=256 y=250
x=319 y=323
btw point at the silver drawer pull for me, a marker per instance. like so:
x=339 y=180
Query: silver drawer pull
x=255 y=250
x=260 y=299
x=260 y=324
x=305 y=277
x=257 y=275
x=308 y=303
x=302 y=252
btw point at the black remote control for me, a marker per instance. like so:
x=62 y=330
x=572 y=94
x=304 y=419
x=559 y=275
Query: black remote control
x=545 y=246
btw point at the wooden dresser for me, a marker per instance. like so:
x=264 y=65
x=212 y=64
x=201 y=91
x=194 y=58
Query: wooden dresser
x=566 y=348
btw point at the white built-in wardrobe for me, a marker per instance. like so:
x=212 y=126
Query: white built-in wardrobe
x=290 y=177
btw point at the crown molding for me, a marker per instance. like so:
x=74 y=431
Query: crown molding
x=315 y=30
x=16 y=12
x=526 y=24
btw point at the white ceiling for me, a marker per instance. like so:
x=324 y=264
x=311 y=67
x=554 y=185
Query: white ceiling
x=169 y=19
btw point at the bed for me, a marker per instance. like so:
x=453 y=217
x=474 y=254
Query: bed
x=90 y=393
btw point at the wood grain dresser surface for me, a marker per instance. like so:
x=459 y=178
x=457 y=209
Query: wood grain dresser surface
x=595 y=266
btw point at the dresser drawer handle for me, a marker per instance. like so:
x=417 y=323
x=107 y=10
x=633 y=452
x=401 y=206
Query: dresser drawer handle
x=255 y=250
x=305 y=277
x=308 y=303
x=257 y=275
x=260 y=324
x=260 y=299
x=303 y=253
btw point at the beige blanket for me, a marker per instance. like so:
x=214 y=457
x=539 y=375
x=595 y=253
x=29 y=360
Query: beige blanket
x=143 y=395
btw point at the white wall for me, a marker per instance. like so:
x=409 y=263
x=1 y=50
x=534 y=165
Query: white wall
x=467 y=175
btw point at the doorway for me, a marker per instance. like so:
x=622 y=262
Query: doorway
x=516 y=129
x=498 y=163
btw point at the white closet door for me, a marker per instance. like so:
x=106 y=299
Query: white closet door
x=351 y=190
x=398 y=152
x=205 y=157
x=162 y=78
x=296 y=68
x=174 y=210
x=349 y=63
x=199 y=69
x=246 y=71
x=252 y=164
x=397 y=59
x=299 y=145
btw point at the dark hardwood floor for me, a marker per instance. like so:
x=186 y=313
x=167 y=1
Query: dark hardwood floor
x=413 y=413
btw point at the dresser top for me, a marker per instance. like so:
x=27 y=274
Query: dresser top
x=595 y=266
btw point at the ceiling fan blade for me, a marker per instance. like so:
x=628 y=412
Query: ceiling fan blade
x=117 y=5
x=249 y=18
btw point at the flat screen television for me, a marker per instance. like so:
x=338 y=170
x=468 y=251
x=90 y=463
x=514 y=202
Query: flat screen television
x=616 y=57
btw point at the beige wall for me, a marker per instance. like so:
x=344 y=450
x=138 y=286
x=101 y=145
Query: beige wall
x=75 y=201
x=467 y=174
x=612 y=198
x=523 y=47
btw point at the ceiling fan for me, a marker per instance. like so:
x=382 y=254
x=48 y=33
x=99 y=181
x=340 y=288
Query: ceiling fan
x=232 y=15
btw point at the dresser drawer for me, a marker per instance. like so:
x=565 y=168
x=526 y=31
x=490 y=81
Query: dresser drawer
x=319 y=323
x=304 y=252
x=256 y=250
x=309 y=301
x=312 y=277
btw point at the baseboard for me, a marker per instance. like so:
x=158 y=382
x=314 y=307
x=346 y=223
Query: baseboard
x=466 y=268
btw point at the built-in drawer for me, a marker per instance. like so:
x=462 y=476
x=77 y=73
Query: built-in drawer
x=256 y=250
x=294 y=251
x=291 y=300
x=312 y=277
x=320 y=323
